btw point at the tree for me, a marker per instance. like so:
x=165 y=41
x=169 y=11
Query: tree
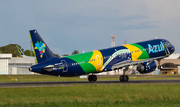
x=75 y=52
x=11 y=49
x=65 y=55
x=28 y=53
x=178 y=57
x=56 y=55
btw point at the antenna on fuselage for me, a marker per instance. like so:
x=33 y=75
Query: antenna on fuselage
x=113 y=42
x=125 y=42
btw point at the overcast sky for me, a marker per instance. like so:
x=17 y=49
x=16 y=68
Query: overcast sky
x=86 y=25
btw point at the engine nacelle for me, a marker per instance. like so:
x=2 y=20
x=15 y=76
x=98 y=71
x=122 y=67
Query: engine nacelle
x=146 y=67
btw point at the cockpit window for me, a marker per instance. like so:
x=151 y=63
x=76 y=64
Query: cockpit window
x=167 y=44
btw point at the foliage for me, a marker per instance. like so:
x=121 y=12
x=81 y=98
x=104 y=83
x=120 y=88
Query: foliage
x=10 y=49
x=65 y=55
x=28 y=53
x=56 y=55
x=75 y=52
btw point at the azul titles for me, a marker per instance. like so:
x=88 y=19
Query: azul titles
x=156 y=48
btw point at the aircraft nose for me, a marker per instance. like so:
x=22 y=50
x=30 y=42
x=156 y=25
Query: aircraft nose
x=172 y=49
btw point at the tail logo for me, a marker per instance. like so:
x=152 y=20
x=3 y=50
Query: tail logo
x=41 y=47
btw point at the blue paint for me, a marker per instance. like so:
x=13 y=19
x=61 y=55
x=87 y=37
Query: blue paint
x=51 y=65
x=156 y=48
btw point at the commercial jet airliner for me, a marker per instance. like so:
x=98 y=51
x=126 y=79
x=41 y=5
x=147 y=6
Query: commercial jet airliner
x=141 y=54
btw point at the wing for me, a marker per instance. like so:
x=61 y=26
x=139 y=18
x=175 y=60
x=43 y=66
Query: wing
x=130 y=62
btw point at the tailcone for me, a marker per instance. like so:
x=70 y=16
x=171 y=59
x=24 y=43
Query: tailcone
x=35 y=68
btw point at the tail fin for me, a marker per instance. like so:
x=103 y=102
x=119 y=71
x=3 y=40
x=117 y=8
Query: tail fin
x=42 y=51
x=20 y=52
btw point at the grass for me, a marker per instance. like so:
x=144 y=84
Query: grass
x=92 y=95
x=89 y=95
x=37 y=78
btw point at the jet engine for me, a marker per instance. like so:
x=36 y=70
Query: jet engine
x=146 y=67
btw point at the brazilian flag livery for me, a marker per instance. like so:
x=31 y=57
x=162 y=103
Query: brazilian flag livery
x=92 y=61
x=98 y=60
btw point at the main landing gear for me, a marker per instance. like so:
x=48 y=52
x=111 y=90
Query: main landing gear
x=92 y=78
x=124 y=78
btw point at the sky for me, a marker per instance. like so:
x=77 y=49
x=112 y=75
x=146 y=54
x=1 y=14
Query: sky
x=86 y=25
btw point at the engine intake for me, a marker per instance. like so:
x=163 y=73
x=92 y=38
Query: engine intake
x=141 y=68
x=146 y=67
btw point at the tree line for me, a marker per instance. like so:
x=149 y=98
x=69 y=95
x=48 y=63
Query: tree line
x=12 y=49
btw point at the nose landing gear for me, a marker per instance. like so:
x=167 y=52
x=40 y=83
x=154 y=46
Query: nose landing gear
x=124 y=78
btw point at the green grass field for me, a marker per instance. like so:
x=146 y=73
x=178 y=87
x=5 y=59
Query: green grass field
x=92 y=96
x=37 y=78
x=96 y=95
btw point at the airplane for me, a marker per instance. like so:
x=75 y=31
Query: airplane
x=141 y=54
x=22 y=54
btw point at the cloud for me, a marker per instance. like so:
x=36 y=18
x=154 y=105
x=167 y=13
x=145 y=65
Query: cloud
x=88 y=24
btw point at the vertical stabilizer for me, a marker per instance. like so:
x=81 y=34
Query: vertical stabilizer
x=42 y=51
x=20 y=52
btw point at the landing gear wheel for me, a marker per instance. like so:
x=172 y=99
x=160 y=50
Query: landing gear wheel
x=123 y=78
x=92 y=78
x=126 y=78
